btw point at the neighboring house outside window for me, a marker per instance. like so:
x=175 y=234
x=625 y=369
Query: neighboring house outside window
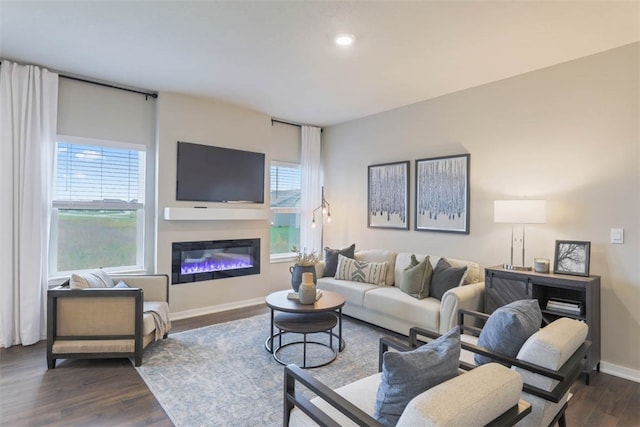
x=285 y=208
x=97 y=217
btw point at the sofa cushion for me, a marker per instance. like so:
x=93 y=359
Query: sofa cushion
x=353 y=292
x=380 y=255
x=445 y=277
x=361 y=271
x=416 y=278
x=91 y=279
x=407 y=374
x=391 y=302
x=508 y=328
x=121 y=284
x=331 y=259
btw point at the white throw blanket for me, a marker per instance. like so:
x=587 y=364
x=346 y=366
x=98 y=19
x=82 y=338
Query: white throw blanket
x=160 y=312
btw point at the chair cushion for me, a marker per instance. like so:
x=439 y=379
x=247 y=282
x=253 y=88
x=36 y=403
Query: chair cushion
x=508 y=328
x=416 y=278
x=474 y=398
x=407 y=374
x=91 y=279
x=361 y=271
x=331 y=259
x=445 y=277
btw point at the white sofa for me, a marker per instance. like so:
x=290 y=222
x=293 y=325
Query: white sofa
x=388 y=307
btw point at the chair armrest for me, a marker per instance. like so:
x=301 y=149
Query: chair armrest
x=565 y=376
x=480 y=318
x=467 y=297
x=155 y=286
x=293 y=398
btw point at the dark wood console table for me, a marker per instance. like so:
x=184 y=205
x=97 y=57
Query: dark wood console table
x=504 y=286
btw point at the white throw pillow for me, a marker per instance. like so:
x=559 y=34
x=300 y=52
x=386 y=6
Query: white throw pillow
x=361 y=271
x=91 y=279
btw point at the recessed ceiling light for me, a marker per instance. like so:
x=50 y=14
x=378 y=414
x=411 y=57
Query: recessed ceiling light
x=345 y=39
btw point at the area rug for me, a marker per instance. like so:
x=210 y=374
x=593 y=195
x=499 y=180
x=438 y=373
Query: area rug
x=222 y=375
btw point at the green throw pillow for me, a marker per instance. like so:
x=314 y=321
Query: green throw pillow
x=407 y=374
x=416 y=277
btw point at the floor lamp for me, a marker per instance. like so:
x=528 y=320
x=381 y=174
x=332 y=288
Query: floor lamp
x=519 y=212
x=326 y=213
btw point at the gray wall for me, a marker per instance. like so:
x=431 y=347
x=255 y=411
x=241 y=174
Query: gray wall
x=568 y=134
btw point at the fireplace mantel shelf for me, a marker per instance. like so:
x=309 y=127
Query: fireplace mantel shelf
x=215 y=214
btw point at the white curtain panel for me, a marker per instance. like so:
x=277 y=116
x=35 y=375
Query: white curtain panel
x=311 y=197
x=28 y=113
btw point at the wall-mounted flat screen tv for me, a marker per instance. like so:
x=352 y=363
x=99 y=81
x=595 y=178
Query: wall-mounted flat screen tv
x=216 y=174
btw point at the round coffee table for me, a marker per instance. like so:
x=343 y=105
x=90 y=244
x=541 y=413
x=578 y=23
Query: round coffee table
x=321 y=316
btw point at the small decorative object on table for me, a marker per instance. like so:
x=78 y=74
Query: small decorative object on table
x=305 y=263
x=307 y=291
x=541 y=265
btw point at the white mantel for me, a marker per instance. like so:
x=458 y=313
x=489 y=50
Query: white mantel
x=215 y=214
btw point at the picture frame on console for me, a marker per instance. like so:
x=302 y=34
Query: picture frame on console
x=572 y=257
x=388 y=196
x=442 y=194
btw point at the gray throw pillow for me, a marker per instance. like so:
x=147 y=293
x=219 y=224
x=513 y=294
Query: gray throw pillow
x=407 y=374
x=331 y=259
x=508 y=328
x=416 y=277
x=121 y=284
x=445 y=277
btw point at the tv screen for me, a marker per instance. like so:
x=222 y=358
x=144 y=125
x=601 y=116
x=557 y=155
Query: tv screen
x=215 y=174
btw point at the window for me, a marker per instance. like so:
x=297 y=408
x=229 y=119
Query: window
x=285 y=207
x=97 y=215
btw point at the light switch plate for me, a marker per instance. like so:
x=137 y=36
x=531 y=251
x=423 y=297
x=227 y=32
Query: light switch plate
x=617 y=235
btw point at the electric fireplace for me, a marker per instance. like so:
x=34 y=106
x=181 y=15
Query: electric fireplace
x=216 y=259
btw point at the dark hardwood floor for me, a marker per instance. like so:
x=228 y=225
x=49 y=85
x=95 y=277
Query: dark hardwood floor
x=110 y=392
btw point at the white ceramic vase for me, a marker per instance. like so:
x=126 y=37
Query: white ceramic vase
x=307 y=290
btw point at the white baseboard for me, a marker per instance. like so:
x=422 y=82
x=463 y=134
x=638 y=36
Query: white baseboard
x=620 y=371
x=216 y=308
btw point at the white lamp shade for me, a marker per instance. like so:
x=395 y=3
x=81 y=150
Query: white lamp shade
x=520 y=211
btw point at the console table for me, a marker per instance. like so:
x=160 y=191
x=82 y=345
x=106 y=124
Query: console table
x=503 y=286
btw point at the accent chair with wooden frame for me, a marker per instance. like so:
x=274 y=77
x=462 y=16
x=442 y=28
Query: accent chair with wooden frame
x=491 y=392
x=550 y=361
x=104 y=322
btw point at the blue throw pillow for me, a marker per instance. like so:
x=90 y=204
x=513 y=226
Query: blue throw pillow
x=407 y=374
x=508 y=328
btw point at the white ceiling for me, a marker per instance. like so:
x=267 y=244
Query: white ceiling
x=279 y=58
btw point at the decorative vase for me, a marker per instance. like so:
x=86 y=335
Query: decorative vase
x=296 y=274
x=307 y=291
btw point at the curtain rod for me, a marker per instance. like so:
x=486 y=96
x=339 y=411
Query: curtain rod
x=284 y=122
x=146 y=94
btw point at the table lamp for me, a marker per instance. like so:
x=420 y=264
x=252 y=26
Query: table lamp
x=519 y=212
